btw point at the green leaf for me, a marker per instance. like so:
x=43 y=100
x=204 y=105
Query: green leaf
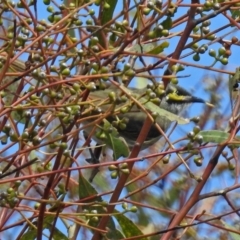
x=48 y=220
x=137 y=48
x=118 y=144
x=87 y=190
x=235 y=13
x=57 y=234
x=151 y=48
x=215 y=136
x=167 y=23
x=154 y=108
x=106 y=16
x=234 y=236
x=30 y=234
x=159 y=48
x=107 y=13
x=162 y=112
x=129 y=228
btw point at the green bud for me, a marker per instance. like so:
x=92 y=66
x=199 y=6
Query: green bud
x=126 y=67
x=91 y=12
x=125 y=171
x=65 y=72
x=63 y=145
x=196 y=129
x=25 y=135
x=130 y=73
x=174 y=81
x=89 y=22
x=205 y=30
x=10 y=190
x=91 y=86
x=112 y=96
x=195 y=46
x=212 y=53
x=196 y=57
x=199 y=139
x=50 y=9
x=201 y=50
x=174 y=68
x=114 y=174
x=166 y=160
x=195 y=29
x=216 y=6
x=125 y=206
x=36 y=140
x=46 y=2
x=124 y=109
x=4 y=139
x=231 y=166
x=165 y=32
x=152 y=34
x=198 y=161
x=101 y=135
x=51 y=18
x=224 y=61
x=124 y=166
x=191 y=135
x=72 y=6
x=221 y=51
x=133 y=209
x=13 y=137
x=93 y=41
x=150 y=4
x=146 y=11
x=122 y=126
x=112 y=167
x=195 y=119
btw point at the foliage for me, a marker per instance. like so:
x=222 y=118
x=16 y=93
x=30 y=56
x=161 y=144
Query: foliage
x=51 y=71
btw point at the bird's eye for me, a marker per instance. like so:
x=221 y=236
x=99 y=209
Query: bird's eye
x=236 y=86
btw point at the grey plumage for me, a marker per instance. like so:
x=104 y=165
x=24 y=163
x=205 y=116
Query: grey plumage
x=136 y=116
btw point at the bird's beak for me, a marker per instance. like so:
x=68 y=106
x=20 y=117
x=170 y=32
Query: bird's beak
x=174 y=98
x=193 y=99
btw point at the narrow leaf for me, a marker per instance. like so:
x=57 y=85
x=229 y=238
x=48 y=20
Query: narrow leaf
x=129 y=228
x=87 y=190
x=151 y=48
x=118 y=144
x=57 y=234
x=234 y=236
x=162 y=112
x=106 y=16
x=159 y=48
x=215 y=136
x=30 y=234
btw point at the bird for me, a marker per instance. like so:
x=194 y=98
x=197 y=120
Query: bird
x=128 y=118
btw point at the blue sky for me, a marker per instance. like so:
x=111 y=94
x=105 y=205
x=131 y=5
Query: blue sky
x=196 y=84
